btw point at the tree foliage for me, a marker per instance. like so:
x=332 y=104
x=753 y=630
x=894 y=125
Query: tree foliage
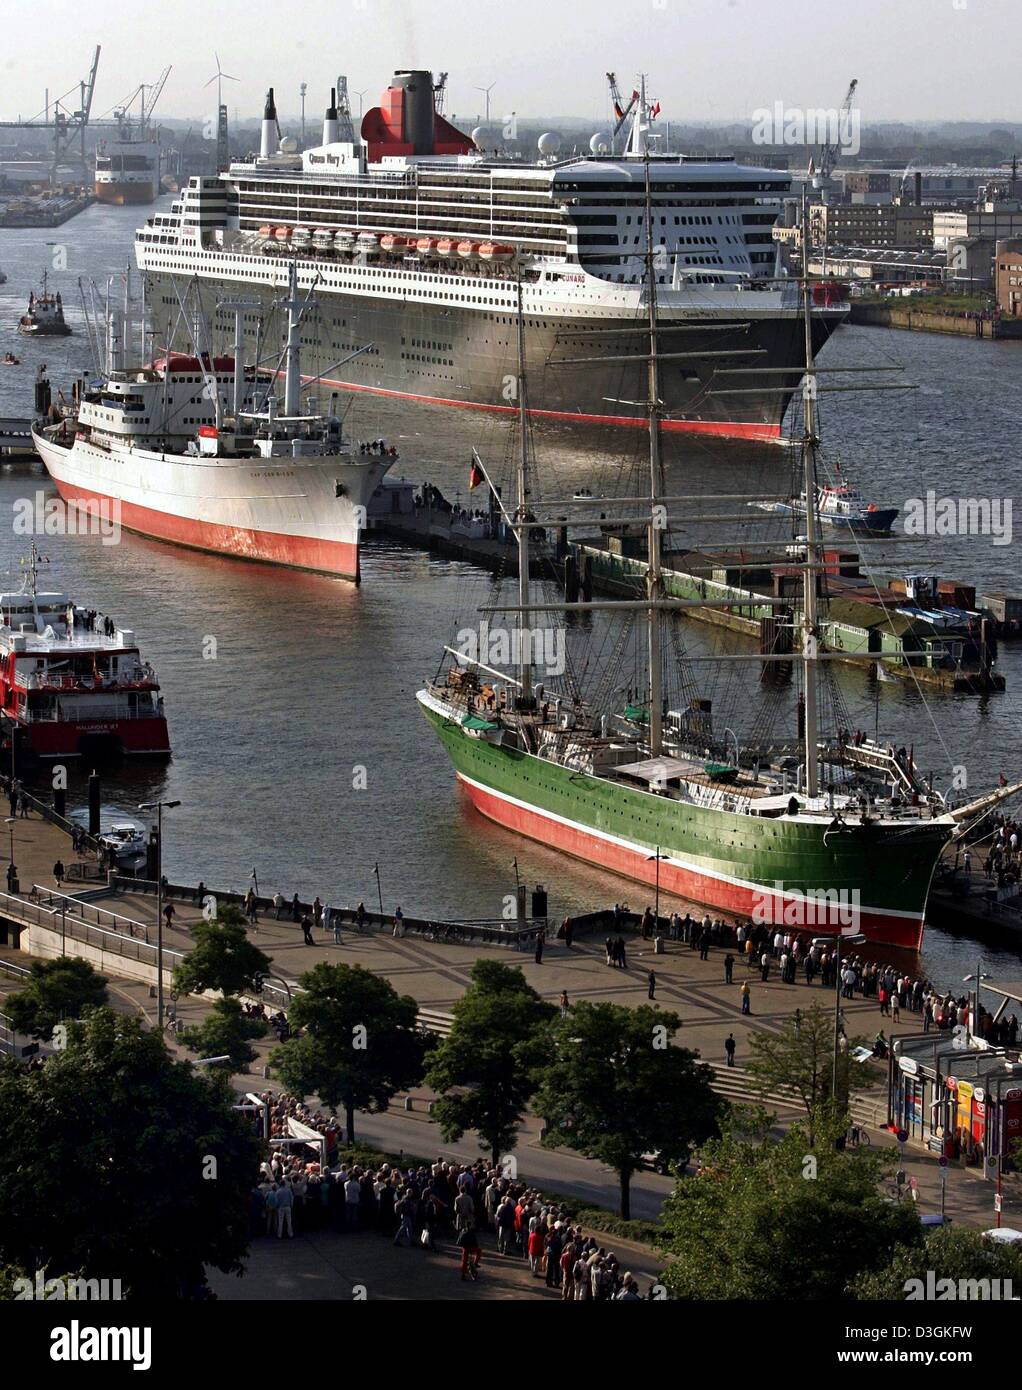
x=949 y=1253
x=486 y=1071
x=122 y=1163
x=800 y=1057
x=359 y=1043
x=222 y=958
x=57 y=991
x=225 y=1032
x=769 y=1218
x=617 y=1088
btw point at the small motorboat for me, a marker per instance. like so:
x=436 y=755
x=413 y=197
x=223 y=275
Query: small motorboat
x=9 y=360
x=127 y=842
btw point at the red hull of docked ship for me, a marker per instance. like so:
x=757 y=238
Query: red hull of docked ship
x=882 y=928
x=135 y=737
x=236 y=542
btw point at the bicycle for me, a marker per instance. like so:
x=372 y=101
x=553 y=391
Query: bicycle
x=858 y=1138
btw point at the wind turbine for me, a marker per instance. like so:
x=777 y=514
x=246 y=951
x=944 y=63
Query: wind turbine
x=486 y=91
x=219 y=77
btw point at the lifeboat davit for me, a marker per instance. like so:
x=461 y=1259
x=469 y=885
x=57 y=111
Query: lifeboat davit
x=446 y=246
x=491 y=251
x=468 y=249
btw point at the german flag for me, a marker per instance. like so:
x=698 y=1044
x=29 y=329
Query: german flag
x=476 y=477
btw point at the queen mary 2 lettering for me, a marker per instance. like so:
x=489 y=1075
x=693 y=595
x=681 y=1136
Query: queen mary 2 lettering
x=416 y=239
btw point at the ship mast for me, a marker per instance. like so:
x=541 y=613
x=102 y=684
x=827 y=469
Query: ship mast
x=654 y=575
x=524 y=647
x=293 y=370
x=810 y=614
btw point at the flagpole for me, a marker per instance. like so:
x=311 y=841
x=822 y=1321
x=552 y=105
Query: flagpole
x=486 y=477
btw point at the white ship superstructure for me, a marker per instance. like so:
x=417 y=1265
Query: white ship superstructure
x=127 y=171
x=415 y=240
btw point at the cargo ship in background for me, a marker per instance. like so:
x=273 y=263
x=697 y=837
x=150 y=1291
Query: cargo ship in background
x=72 y=683
x=127 y=171
x=824 y=832
x=413 y=236
x=198 y=451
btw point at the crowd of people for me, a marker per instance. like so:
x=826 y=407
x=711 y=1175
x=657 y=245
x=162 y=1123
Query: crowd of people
x=422 y=1205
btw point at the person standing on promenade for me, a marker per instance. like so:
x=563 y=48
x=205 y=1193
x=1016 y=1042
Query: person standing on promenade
x=729 y=968
x=652 y=985
x=729 y=1049
x=746 y=998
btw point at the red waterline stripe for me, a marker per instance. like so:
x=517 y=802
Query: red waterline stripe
x=338 y=558
x=892 y=930
x=725 y=429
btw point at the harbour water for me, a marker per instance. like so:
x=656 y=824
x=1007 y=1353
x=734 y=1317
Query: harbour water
x=298 y=748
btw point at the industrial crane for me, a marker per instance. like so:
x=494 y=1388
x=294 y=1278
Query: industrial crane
x=828 y=155
x=440 y=93
x=65 y=124
x=120 y=113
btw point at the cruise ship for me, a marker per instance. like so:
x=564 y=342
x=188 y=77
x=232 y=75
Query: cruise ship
x=418 y=241
x=127 y=171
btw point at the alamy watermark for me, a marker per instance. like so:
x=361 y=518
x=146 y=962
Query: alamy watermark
x=542 y=648
x=815 y=907
x=76 y=1290
x=800 y=125
x=40 y=515
x=959 y=516
x=935 y=1290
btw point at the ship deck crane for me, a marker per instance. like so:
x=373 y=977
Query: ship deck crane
x=621 y=112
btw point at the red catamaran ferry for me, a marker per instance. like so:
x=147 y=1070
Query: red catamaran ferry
x=72 y=683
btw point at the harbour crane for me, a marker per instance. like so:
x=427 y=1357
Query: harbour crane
x=65 y=124
x=345 y=128
x=829 y=153
x=440 y=93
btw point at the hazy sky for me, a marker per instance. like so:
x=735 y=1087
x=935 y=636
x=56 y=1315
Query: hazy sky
x=711 y=59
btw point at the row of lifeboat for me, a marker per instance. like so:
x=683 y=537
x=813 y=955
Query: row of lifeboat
x=325 y=240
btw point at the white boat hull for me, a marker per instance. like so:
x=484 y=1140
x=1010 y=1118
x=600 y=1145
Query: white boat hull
x=306 y=513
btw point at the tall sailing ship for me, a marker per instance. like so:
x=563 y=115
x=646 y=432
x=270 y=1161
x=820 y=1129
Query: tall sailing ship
x=833 y=834
x=414 y=237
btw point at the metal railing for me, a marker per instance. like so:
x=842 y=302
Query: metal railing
x=81 y=906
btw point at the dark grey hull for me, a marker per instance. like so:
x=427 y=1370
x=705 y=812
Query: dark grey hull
x=468 y=359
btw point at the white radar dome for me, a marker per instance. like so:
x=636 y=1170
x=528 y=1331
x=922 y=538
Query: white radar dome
x=483 y=138
x=289 y=145
x=549 y=144
x=600 y=143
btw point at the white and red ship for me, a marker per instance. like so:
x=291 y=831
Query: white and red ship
x=197 y=451
x=72 y=683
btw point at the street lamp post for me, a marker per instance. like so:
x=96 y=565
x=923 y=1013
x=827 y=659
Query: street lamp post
x=12 y=872
x=649 y=860
x=159 y=807
x=978 y=978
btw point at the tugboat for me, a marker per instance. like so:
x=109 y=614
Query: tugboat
x=72 y=683
x=842 y=506
x=45 y=317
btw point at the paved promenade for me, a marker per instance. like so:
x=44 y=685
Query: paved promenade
x=435 y=974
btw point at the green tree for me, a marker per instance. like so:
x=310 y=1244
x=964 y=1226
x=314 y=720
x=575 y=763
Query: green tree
x=950 y=1253
x=781 y=1219
x=225 y=1032
x=486 y=1071
x=359 y=1045
x=57 y=991
x=617 y=1088
x=123 y=1163
x=800 y=1058
x=222 y=958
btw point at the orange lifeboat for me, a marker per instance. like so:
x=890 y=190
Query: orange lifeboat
x=446 y=246
x=266 y=230
x=282 y=233
x=392 y=244
x=425 y=245
x=491 y=251
x=468 y=249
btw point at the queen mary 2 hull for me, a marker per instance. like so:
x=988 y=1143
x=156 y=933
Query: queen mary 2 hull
x=794 y=871
x=307 y=512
